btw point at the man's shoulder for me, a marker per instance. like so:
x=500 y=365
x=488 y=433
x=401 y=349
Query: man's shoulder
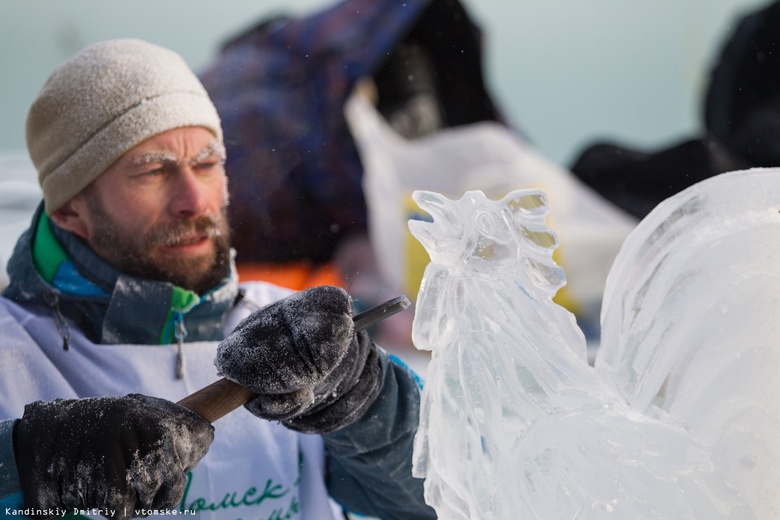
x=9 y=309
x=263 y=293
x=254 y=296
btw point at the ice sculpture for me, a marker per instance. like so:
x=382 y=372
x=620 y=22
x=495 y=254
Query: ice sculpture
x=679 y=418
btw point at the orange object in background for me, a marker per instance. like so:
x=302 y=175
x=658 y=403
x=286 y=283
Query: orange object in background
x=293 y=275
x=394 y=333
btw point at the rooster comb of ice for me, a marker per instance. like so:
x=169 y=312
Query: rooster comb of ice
x=483 y=235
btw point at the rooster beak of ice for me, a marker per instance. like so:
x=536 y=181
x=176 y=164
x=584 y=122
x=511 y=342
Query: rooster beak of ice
x=428 y=233
x=424 y=232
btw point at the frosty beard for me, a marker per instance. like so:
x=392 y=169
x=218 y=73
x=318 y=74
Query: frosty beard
x=140 y=256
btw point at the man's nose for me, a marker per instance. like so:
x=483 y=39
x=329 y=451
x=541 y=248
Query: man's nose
x=189 y=196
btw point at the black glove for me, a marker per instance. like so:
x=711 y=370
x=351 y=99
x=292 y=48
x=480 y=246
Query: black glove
x=302 y=358
x=111 y=453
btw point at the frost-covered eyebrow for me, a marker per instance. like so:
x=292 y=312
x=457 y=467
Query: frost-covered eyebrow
x=214 y=148
x=155 y=157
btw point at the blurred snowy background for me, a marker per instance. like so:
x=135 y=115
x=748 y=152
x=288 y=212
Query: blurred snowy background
x=565 y=72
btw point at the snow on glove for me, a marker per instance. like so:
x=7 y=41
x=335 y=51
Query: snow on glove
x=112 y=453
x=304 y=361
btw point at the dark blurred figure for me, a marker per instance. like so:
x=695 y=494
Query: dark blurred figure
x=280 y=88
x=741 y=123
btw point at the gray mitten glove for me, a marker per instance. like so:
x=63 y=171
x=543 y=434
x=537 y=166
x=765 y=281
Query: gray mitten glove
x=121 y=454
x=304 y=362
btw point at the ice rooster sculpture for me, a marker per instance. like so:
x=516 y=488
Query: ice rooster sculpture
x=677 y=419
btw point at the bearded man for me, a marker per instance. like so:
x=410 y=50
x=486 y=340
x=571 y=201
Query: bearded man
x=121 y=290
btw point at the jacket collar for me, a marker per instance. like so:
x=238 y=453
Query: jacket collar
x=56 y=270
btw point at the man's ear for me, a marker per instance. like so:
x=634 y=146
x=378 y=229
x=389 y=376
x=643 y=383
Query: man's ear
x=71 y=217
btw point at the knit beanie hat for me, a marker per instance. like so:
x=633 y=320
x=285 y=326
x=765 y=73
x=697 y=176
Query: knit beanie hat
x=104 y=101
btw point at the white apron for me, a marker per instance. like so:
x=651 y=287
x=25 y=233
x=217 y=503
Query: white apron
x=254 y=469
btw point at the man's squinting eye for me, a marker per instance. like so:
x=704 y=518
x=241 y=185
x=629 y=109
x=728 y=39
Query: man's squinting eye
x=154 y=170
x=209 y=164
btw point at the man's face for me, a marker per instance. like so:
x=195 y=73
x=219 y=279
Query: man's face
x=159 y=211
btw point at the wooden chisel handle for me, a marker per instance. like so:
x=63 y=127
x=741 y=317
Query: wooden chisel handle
x=223 y=396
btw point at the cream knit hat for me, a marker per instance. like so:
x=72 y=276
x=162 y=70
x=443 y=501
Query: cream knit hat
x=99 y=104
